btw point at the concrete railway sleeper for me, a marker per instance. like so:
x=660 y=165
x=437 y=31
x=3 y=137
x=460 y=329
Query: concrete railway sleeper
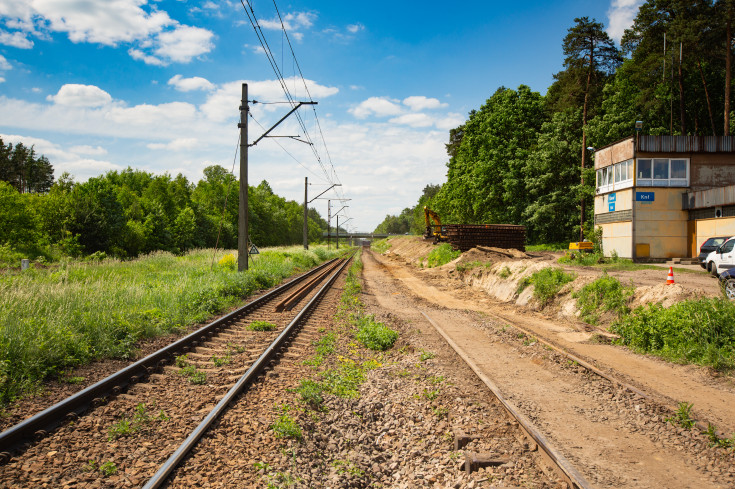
x=216 y=339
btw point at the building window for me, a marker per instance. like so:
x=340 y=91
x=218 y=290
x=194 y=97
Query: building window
x=615 y=177
x=663 y=172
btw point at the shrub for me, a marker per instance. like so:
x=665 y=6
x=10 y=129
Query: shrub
x=696 y=331
x=547 y=283
x=373 y=334
x=441 y=255
x=261 y=326
x=604 y=294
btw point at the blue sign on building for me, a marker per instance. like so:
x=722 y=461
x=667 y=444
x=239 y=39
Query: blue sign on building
x=611 y=197
x=645 y=196
x=611 y=207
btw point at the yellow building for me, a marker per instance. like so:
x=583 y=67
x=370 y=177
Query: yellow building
x=663 y=196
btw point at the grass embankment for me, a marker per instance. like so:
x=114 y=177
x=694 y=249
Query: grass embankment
x=441 y=255
x=54 y=319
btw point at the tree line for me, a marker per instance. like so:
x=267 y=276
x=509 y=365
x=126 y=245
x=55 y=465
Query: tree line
x=130 y=212
x=21 y=168
x=522 y=157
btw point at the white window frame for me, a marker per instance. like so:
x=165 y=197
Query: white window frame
x=615 y=177
x=663 y=182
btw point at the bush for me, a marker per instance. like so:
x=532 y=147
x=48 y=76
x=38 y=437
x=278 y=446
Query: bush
x=547 y=283
x=441 y=255
x=604 y=294
x=696 y=331
x=373 y=334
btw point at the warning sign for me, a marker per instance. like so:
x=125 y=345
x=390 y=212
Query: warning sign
x=254 y=250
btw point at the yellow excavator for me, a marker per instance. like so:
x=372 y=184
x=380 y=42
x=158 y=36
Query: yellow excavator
x=433 y=230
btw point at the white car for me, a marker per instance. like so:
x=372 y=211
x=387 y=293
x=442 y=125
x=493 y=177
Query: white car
x=723 y=258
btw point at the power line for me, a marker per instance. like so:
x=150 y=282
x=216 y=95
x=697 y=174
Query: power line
x=282 y=81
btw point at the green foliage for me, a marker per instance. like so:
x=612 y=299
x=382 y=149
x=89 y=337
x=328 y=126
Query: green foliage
x=426 y=355
x=261 y=326
x=683 y=416
x=195 y=376
x=126 y=426
x=400 y=224
x=604 y=294
x=108 y=468
x=131 y=212
x=287 y=427
x=696 y=331
x=381 y=246
x=505 y=273
x=547 y=283
x=310 y=393
x=373 y=334
x=441 y=255
x=20 y=168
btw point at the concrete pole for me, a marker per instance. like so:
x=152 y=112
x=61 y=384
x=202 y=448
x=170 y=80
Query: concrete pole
x=306 y=217
x=329 y=221
x=338 y=231
x=242 y=217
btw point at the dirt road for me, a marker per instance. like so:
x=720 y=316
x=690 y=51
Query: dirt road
x=615 y=438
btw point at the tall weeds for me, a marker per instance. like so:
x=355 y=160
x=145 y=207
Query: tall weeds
x=54 y=319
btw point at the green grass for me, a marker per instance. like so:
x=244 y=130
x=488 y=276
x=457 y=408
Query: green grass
x=381 y=246
x=604 y=294
x=548 y=247
x=698 y=331
x=56 y=318
x=374 y=334
x=261 y=326
x=547 y=283
x=441 y=255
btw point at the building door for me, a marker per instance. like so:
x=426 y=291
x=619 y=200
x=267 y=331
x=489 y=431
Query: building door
x=692 y=238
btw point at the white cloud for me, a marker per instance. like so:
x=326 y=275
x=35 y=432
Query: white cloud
x=69 y=160
x=417 y=103
x=74 y=95
x=355 y=28
x=15 y=39
x=147 y=59
x=189 y=84
x=4 y=65
x=2 y=80
x=291 y=22
x=184 y=43
x=222 y=104
x=450 y=121
x=109 y=23
x=413 y=120
x=179 y=144
x=88 y=150
x=620 y=16
x=379 y=106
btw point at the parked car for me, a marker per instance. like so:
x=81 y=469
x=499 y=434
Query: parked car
x=723 y=258
x=727 y=281
x=708 y=247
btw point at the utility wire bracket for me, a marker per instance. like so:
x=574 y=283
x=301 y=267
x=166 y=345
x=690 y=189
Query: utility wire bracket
x=265 y=134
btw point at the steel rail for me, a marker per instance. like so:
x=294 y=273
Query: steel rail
x=565 y=469
x=263 y=360
x=700 y=424
x=50 y=418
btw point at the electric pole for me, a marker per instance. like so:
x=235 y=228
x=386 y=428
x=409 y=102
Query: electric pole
x=242 y=217
x=306 y=187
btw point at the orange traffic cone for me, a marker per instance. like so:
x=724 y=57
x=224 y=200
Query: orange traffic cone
x=670 y=278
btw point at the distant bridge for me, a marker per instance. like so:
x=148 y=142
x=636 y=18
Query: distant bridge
x=360 y=235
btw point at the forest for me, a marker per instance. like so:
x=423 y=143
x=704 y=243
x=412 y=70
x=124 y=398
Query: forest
x=524 y=157
x=132 y=212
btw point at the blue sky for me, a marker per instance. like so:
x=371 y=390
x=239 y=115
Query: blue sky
x=99 y=85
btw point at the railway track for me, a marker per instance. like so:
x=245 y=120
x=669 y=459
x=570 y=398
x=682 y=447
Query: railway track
x=174 y=394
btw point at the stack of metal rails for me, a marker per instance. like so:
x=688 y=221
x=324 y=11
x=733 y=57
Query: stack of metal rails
x=466 y=236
